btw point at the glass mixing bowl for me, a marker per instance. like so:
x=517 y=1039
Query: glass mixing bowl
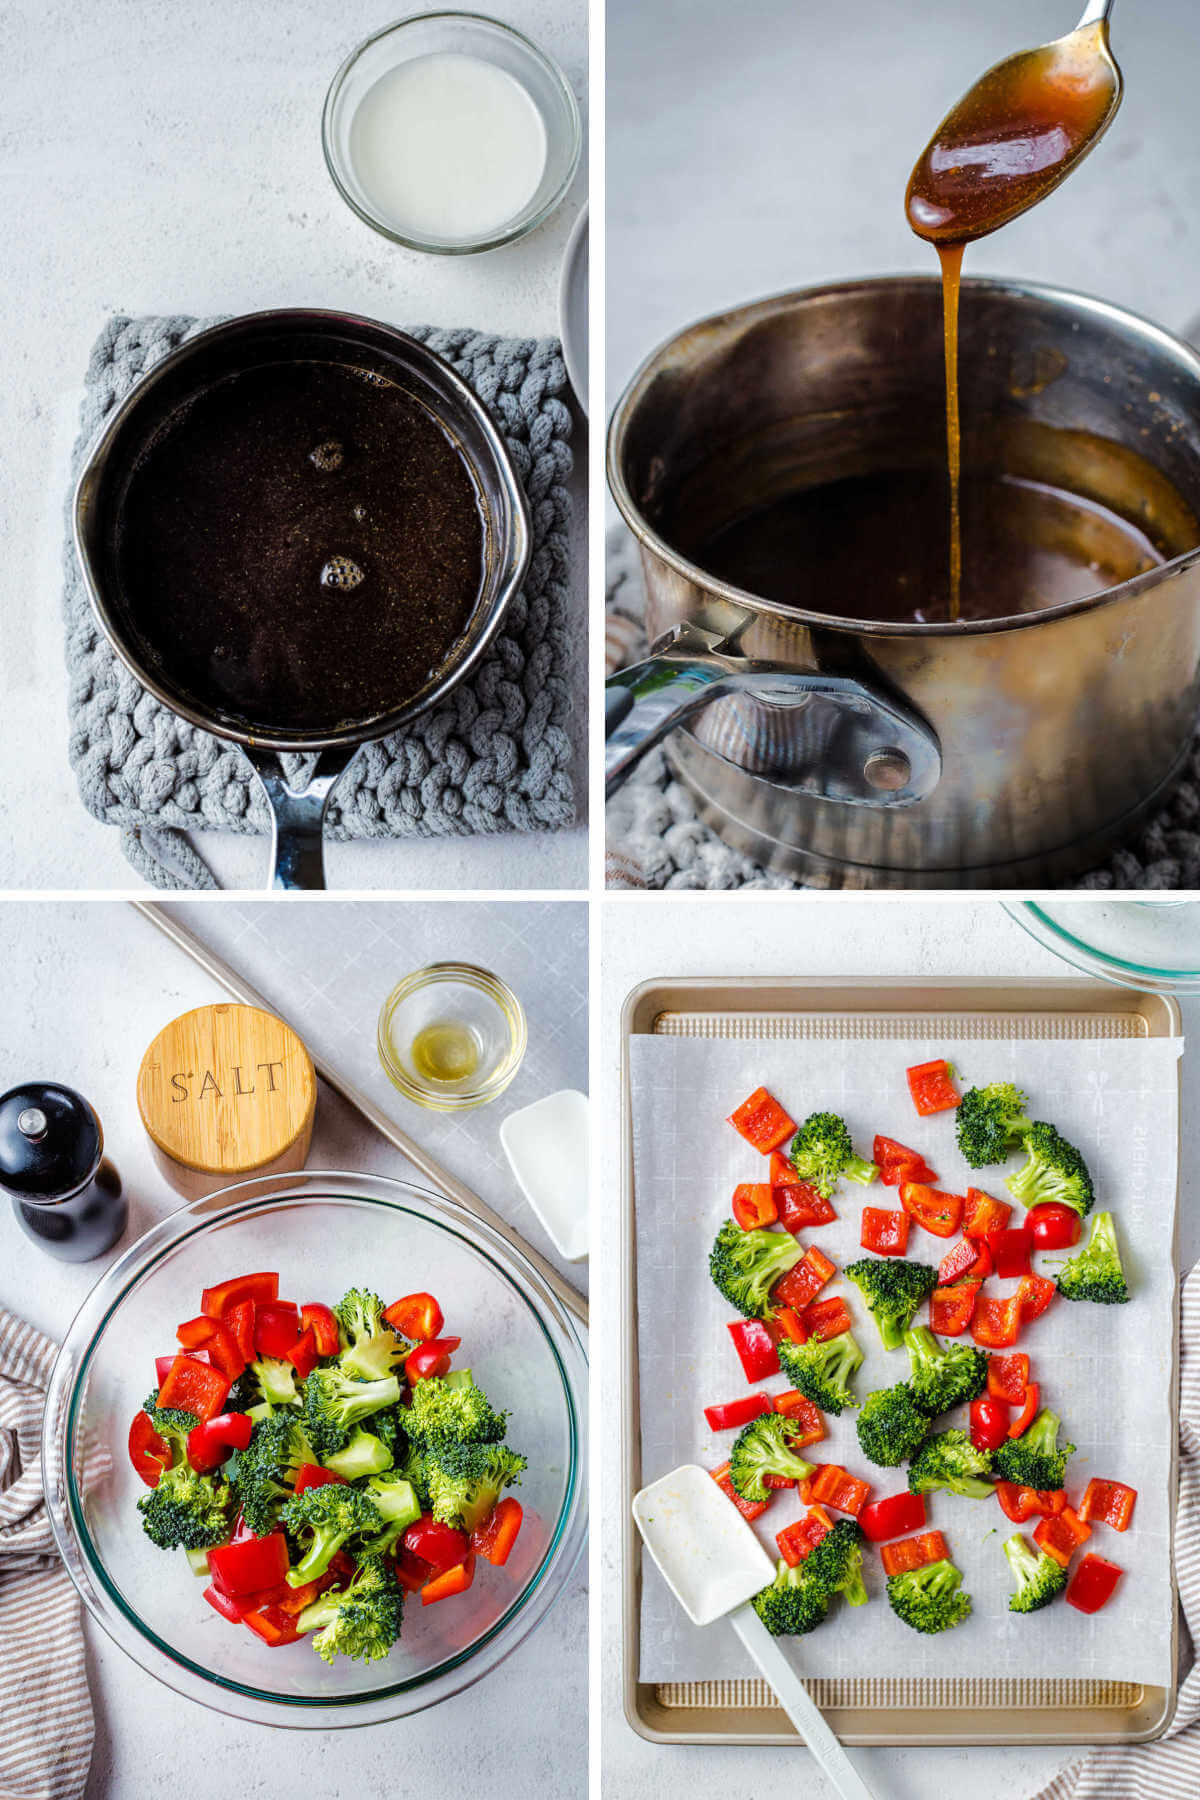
x=324 y=1233
x=1150 y=944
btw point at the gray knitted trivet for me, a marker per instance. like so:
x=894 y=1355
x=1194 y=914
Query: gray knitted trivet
x=655 y=838
x=495 y=756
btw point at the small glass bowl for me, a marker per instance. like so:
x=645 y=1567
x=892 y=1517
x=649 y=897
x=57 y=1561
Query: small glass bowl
x=467 y=34
x=465 y=996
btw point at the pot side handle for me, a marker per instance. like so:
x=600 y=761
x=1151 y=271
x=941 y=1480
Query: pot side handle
x=298 y=815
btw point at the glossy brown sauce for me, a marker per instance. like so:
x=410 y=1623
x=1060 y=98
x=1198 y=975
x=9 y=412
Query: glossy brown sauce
x=875 y=547
x=301 y=546
x=1006 y=145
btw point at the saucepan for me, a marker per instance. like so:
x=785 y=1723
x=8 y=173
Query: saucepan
x=298 y=804
x=995 y=752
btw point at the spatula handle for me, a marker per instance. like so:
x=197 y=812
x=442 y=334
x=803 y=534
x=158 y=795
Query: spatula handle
x=799 y=1704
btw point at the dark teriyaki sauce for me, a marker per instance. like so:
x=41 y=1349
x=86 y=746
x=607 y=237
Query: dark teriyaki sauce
x=301 y=546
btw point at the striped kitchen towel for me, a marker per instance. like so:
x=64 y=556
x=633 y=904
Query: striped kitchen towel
x=1170 y=1768
x=46 y=1724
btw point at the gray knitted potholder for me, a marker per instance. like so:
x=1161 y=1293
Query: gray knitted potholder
x=656 y=839
x=494 y=756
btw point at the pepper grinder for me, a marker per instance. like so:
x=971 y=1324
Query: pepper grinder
x=65 y=1192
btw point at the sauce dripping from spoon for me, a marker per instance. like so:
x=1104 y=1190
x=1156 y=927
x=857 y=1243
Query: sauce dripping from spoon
x=1008 y=142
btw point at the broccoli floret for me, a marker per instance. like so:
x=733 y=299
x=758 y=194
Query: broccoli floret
x=745 y=1264
x=274 y=1383
x=822 y=1369
x=365 y=1454
x=371 y=1349
x=362 y=1620
x=399 y=1506
x=793 y=1603
x=187 y=1510
x=891 y=1426
x=1053 y=1170
x=893 y=1289
x=763 y=1447
x=821 y=1151
x=411 y=1466
x=1095 y=1272
x=453 y=1411
x=1040 y=1579
x=466 y=1480
x=265 y=1471
x=835 y=1564
x=930 y=1598
x=324 y=1518
x=170 y=1422
x=991 y=1122
x=334 y=1403
x=943 y=1375
x=1034 y=1459
x=950 y=1460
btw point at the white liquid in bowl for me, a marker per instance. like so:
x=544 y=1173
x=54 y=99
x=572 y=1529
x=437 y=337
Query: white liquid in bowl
x=448 y=147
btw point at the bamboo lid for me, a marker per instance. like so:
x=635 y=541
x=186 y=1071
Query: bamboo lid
x=226 y=1091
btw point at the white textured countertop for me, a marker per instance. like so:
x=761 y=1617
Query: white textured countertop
x=164 y=162
x=86 y=987
x=646 y=938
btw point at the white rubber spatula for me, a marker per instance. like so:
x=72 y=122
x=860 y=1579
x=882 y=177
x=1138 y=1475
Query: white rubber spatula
x=713 y=1564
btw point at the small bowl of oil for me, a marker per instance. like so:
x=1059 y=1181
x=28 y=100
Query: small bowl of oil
x=451 y=1036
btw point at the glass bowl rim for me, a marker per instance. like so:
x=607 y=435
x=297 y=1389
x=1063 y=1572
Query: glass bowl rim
x=456 y=1099
x=86 y=1567
x=517 y=228
x=1032 y=916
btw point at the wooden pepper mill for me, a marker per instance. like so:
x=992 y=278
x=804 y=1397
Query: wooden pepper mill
x=226 y=1092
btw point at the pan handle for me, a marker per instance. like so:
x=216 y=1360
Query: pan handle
x=867 y=748
x=298 y=814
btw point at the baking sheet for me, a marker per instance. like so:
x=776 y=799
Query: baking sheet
x=1108 y=1371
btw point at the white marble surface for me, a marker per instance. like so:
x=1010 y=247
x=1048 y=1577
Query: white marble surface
x=87 y=984
x=648 y=937
x=155 y=161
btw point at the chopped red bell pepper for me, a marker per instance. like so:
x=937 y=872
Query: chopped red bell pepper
x=754 y=1205
x=787 y=1323
x=736 y=1413
x=1061 y=1535
x=304 y=1355
x=149 y=1453
x=897 y=1163
x=892 y=1516
x=762 y=1121
x=1034 y=1295
x=1008 y=1377
x=807 y=1417
x=417 y=1317
x=982 y=1214
x=311 y=1475
x=951 y=1309
x=320 y=1321
x=441 y=1546
x=989 y=1422
x=411 y=1572
x=216 y=1301
x=453 y=1581
x=801 y=1207
x=931 y=1087
x=800 y=1539
x=959 y=1262
x=1010 y=1249
x=494 y=1539
x=934 y=1211
x=276 y=1328
x=778 y=1482
x=804 y=1280
x=238 y=1321
x=1092 y=1584
x=913 y=1553
x=431 y=1361
x=251 y=1564
x=749 y=1509
x=273 y=1626
x=997 y=1323
x=1021 y=1503
x=214 y=1441
x=883 y=1231
x=194 y=1386
x=756 y=1348
x=1053 y=1226
x=825 y=1319
x=162 y=1364
x=224 y=1604
x=782 y=1171
x=210 y=1335
x=1029 y=1411
x=1108 y=1503
x=831 y=1485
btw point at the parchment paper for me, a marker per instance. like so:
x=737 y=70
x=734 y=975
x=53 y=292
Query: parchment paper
x=1106 y=1370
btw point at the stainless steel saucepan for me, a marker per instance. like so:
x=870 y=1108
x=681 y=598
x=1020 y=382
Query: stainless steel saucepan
x=997 y=752
x=298 y=811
